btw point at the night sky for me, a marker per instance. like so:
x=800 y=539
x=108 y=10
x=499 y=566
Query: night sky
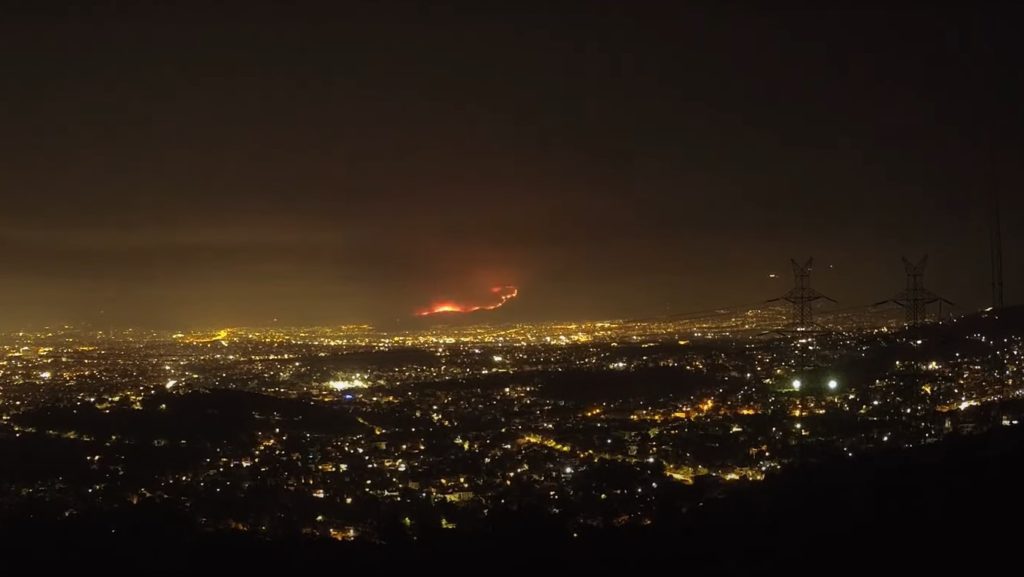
x=166 y=165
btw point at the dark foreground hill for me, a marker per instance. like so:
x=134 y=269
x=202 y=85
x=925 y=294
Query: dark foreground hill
x=954 y=505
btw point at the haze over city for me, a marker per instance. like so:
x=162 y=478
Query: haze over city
x=169 y=165
x=450 y=287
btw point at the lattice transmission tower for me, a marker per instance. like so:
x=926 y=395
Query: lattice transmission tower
x=915 y=298
x=802 y=297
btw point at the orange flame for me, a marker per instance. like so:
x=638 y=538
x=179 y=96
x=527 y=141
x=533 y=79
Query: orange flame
x=504 y=294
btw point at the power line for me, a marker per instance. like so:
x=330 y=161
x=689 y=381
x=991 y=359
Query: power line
x=915 y=298
x=802 y=296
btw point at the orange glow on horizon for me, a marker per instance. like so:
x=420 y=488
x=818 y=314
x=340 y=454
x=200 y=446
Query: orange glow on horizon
x=504 y=294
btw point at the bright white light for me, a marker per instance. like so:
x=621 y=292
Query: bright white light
x=171 y=383
x=45 y=375
x=341 y=384
x=832 y=384
x=568 y=470
x=797 y=384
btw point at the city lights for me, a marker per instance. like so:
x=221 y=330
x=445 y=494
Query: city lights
x=331 y=414
x=344 y=384
x=510 y=287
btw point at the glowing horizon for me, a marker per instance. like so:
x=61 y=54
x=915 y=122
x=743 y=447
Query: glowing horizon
x=504 y=293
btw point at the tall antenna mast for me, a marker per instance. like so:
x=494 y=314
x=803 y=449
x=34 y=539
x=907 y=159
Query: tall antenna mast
x=996 y=240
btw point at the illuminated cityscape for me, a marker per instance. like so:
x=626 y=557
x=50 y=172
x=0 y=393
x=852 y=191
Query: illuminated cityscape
x=351 y=433
x=474 y=288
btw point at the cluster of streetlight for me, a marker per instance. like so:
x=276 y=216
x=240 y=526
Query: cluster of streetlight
x=832 y=384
